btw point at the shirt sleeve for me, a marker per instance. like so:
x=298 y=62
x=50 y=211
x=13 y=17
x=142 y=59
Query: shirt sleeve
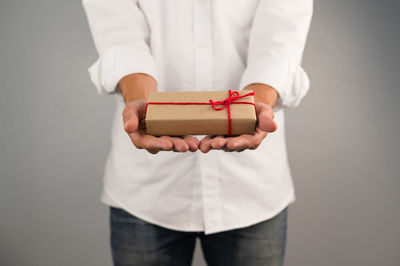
x=276 y=44
x=121 y=36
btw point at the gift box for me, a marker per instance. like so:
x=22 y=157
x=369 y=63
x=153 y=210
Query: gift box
x=201 y=113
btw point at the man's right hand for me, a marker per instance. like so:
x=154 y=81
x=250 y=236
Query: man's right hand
x=134 y=124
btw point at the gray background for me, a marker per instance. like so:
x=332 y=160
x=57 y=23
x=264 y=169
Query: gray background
x=343 y=139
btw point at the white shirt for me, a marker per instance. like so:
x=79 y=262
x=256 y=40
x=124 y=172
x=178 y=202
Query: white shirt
x=200 y=45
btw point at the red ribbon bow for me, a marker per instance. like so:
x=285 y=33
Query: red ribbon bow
x=232 y=99
x=233 y=96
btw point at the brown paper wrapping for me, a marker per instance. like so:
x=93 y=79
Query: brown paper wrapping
x=177 y=120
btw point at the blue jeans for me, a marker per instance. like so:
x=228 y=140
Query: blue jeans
x=135 y=242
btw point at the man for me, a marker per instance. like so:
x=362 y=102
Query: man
x=162 y=201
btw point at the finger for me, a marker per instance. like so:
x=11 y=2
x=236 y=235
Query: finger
x=253 y=140
x=153 y=151
x=218 y=142
x=246 y=141
x=194 y=139
x=239 y=142
x=205 y=144
x=224 y=148
x=192 y=142
x=145 y=141
x=265 y=117
x=240 y=149
x=131 y=119
x=179 y=145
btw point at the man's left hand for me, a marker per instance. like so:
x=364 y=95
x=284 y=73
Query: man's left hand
x=265 y=124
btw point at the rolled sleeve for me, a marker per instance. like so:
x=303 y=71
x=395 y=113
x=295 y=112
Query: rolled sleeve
x=276 y=44
x=289 y=80
x=117 y=63
x=121 y=35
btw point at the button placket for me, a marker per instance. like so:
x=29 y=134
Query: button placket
x=210 y=191
x=203 y=54
x=203 y=80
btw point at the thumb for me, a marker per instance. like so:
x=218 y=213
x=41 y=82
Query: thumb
x=131 y=119
x=265 y=117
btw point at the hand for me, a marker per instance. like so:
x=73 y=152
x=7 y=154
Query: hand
x=265 y=124
x=134 y=124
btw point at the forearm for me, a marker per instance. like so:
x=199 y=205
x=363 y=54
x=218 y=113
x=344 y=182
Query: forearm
x=263 y=93
x=137 y=87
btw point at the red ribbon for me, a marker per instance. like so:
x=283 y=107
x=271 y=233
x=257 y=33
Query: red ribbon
x=233 y=96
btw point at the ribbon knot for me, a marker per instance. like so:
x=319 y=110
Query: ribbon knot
x=233 y=96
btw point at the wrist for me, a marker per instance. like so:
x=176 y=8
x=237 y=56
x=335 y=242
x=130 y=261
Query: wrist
x=263 y=93
x=137 y=86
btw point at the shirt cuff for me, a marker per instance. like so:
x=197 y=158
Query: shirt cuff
x=117 y=63
x=290 y=81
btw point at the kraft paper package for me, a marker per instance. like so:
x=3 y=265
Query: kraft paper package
x=201 y=113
